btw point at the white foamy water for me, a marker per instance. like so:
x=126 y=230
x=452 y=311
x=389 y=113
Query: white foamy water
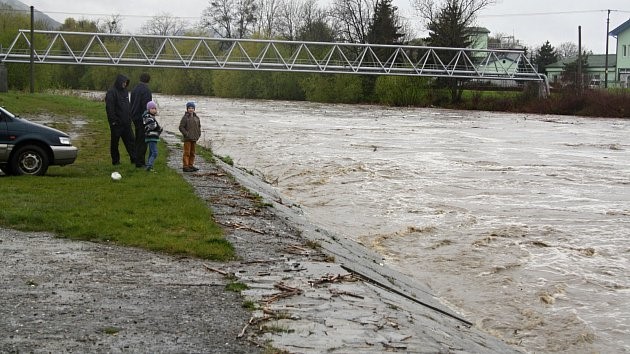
x=520 y=222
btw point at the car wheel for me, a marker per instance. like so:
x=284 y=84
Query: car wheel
x=30 y=160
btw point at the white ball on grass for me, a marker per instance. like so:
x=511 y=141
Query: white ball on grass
x=116 y=176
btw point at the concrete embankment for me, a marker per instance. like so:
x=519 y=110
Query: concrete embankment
x=351 y=302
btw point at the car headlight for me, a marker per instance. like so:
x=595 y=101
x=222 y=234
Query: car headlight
x=64 y=140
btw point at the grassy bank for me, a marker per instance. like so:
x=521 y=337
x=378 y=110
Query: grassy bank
x=157 y=211
x=591 y=103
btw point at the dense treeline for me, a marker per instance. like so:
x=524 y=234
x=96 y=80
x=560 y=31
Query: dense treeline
x=363 y=21
x=305 y=21
x=384 y=27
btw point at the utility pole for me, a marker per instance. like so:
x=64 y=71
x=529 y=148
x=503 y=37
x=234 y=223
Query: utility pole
x=606 y=58
x=578 y=80
x=32 y=49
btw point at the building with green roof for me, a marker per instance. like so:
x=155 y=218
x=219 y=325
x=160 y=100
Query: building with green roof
x=595 y=69
x=618 y=63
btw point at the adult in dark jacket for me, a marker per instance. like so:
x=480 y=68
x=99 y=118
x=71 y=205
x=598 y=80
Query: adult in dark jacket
x=140 y=96
x=118 y=114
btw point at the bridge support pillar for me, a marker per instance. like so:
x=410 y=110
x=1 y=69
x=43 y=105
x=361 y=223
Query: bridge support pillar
x=542 y=91
x=543 y=88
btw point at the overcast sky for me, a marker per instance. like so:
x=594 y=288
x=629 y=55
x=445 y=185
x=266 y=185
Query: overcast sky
x=531 y=21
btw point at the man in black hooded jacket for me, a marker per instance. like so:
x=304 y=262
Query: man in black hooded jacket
x=140 y=96
x=119 y=116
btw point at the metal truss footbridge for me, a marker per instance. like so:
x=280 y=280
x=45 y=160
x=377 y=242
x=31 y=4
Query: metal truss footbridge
x=103 y=49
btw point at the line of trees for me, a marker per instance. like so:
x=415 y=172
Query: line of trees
x=373 y=21
x=357 y=21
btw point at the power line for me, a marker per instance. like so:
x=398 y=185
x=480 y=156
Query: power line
x=106 y=15
x=83 y=14
x=551 y=13
x=547 y=13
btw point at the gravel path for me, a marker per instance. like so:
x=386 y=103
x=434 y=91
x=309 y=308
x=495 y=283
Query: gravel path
x=60 y=295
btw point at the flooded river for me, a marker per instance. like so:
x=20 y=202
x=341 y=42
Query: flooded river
x=519 y=222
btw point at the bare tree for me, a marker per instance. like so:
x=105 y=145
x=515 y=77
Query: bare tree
x=289 y=18
x=407 y=29
x=218 y=18
x=230 y=18
x=268 y=16
x=111 y=24
x=354 y=18
x=304 y=20
x=567 y=50
x=429 y=10
x=164 y=25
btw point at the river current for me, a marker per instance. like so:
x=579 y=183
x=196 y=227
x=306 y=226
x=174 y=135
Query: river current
x=519 y=222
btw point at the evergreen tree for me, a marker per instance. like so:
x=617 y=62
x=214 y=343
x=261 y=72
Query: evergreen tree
x=385 y=27
x=450 y=29
x=570 y=75
x=449 y=24
x=545 y=55
x=316 y=31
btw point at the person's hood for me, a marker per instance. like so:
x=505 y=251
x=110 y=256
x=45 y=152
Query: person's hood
x=120 y=79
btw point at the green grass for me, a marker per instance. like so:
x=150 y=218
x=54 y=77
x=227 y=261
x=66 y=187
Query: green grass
x=468 y=95
x=156 y=211
x=250 y=305
x=111 y=330
x=236 y=287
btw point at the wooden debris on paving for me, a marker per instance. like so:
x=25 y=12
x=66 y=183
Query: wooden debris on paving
x=222 y=272
x=260 y=261
x=252 y=321
x=286 y=291
x=397 y=346
x=337 y=292
x=295 y=249
x=221 y=200
x=241 y=227
x=303 y=251
x=285 y=287
x=330 y=278
x=391 y=324
x=279 y=315
x=213 y=174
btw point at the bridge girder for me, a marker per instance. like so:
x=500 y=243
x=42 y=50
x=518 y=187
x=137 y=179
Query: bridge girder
x=103 y=49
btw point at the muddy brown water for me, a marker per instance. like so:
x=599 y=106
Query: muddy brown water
x=520 y=222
